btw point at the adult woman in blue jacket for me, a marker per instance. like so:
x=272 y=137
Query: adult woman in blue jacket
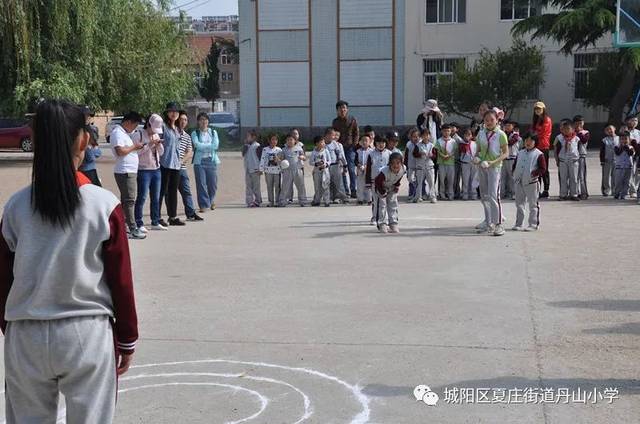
x=205 y=162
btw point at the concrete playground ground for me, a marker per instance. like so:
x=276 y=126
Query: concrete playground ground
x=307 y=315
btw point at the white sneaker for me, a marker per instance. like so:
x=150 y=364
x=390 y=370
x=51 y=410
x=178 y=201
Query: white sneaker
x=481 y=227
x=383 y=228
x=499 y=230
x=372 y=222
x=137 y=234
x=491 y=229
x=517 y=228
x=159 y=227
x=394 y=229
x=434 y=200
x=143 y=229
x=531 y=228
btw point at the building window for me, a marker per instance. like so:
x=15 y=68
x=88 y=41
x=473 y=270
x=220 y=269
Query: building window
x=446 y=11
x=226 y=76
x=434 y=68
x=518 y=9
x=583 y=64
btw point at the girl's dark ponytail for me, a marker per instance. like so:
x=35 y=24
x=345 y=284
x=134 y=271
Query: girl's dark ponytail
x=54 y=191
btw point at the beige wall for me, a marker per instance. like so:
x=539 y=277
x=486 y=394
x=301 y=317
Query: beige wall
x=484 y=29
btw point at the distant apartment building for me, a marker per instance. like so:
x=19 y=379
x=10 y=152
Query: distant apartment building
x=200 y=35
x=297 y=57
x=229 y=100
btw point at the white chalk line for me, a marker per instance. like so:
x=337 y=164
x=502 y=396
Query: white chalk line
x=308 y=410
x=264 y=401
x=362 y=418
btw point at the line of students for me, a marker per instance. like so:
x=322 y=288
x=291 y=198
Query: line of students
x=495 y=164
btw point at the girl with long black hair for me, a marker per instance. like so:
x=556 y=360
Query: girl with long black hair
x=66 y=291
x=170 y=164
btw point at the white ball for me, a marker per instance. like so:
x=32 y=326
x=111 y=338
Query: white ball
x=284 y=164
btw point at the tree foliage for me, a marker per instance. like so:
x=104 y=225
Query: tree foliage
x=577 y=24
x=210 y=88
x=110 y=54
x=504 y=77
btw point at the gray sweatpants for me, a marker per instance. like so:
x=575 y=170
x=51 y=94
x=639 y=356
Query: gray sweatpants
x=387 y=208
x=364 y=192
x=446 y=175
x=507 y=184
x=623 y=181
x=608 y=178
x=321 y=186
x=72 y=356
x=422 y=175
x=128 y=186
x=336 y=184
x=469 y=171
x=273 y=188
x=290 y=177
x=527 y=195
x=490 y=195
x=568 y=170
x=253 y=191
x=582 y=176
x=634 y=180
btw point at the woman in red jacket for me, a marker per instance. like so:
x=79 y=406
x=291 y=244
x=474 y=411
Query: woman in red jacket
x=542 y=125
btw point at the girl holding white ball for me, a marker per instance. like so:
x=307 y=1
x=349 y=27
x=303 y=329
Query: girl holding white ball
x=492 y=145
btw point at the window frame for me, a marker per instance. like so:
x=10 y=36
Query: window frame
x=448 y=63
x=513 y=11
x=455 y=13
x=595 y=57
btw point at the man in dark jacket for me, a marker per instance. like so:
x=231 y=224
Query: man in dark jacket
x=347 y=126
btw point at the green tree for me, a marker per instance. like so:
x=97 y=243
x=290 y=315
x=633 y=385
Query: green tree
x=504 y=77
x=210 y=87
x=576 y=24
x=110 y=54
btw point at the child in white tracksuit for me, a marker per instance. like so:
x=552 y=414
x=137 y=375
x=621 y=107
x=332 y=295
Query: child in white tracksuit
x=584 y=136
x=270 y=166
x=567 y=156
x=424 y=154
x=410 y=163
x=362 y=155
x=468 y=150
x=446 y=147
x=251 y=154
x=624 y=165
x=337 y=167
x=607 y=155
x=387 y=185
x=507 y=184
x=293 y=175
x=528 y=168
x=377 y=159
x=320 y=161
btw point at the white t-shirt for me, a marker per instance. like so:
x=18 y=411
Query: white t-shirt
x=127 y=164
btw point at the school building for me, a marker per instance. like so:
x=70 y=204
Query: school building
x=297 y=57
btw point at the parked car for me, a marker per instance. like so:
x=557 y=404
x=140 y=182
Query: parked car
x=15 y=134
x=225 y=121
x=113 y=122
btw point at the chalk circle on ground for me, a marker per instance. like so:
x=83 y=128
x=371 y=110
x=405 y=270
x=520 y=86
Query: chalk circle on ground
x=138 y=379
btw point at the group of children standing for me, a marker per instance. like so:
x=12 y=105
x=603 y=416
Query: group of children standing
x=444 y=169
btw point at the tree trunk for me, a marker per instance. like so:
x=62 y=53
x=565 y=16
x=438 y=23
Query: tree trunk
x=620 y=99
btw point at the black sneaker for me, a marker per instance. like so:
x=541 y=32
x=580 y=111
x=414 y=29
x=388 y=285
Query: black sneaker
x=195 y=217
x=354 y=195
x=176 y=222
x=163 y=223
x=544 y=194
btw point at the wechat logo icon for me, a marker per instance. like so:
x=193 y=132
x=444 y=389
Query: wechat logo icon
x=423 y=393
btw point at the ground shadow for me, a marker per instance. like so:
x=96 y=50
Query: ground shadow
x=627 y=328
x=623 y=305
x=371 y=231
